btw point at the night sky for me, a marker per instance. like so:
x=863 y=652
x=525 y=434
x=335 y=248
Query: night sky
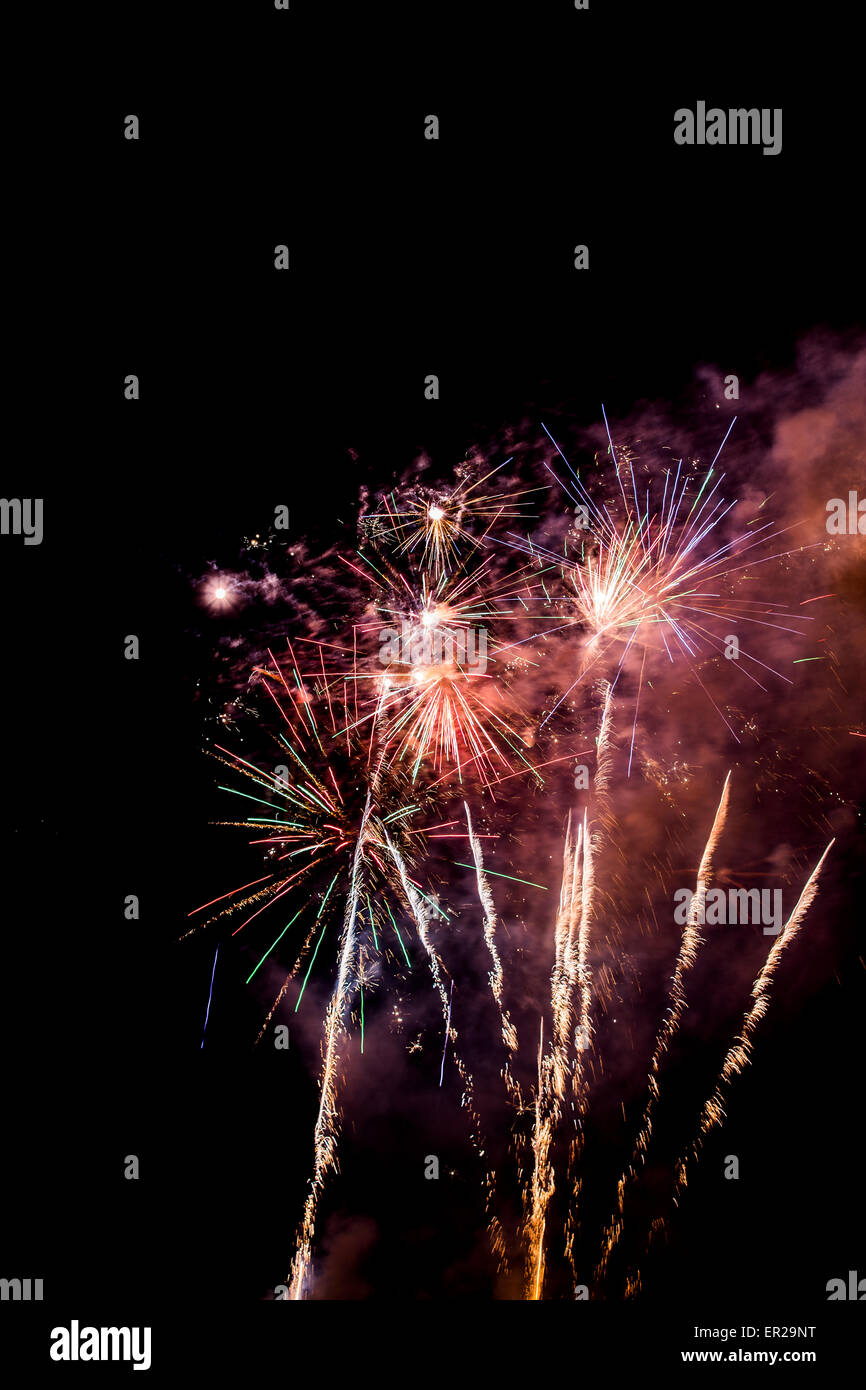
x=306 y=388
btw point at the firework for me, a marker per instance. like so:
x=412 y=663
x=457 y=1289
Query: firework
x=429 y=669
x=399 y=700
x=571 y=999
x=656 y=576
x=740 y=1052
x=509 y=1034
x=688 y=952
x=441 y=526
x=316 y=822
x=326 y=1132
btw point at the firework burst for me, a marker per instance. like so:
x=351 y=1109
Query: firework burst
x=439 y=527
x=431 y=669
x=655 y=573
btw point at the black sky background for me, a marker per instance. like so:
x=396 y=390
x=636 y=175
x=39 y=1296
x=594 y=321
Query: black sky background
x=407 y=257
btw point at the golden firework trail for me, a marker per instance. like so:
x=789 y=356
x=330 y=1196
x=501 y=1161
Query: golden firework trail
x=551 y=1077
x=563 y=979
x=542 y=1186
x=690 y=944
x=603 y=762
x=327 y=1121
x=578 y=949
x=579 y=976
x=552 y=1068
x=739 y=1054
x=571 y=983
x=570 y=974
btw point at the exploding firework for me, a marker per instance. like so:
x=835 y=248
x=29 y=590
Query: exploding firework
x=431 y=672
x=656 y=579
x=441 y=526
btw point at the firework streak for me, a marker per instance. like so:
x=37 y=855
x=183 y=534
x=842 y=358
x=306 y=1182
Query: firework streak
x=422 y=919
x=325 y=1137
x=509 y=1032
x=591 y=843
x=740 y=1051
x=692 y=940
x=739 y=1054
x=570 y=980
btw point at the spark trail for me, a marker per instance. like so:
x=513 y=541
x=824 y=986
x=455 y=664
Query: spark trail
x=690 y=944
x=552 y=1067
x=542 y=1186
x=739 y=1054
x=422 y=920
x=509 y=1032
x=327 y=1122
x=578 y=955
x=571 y=981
